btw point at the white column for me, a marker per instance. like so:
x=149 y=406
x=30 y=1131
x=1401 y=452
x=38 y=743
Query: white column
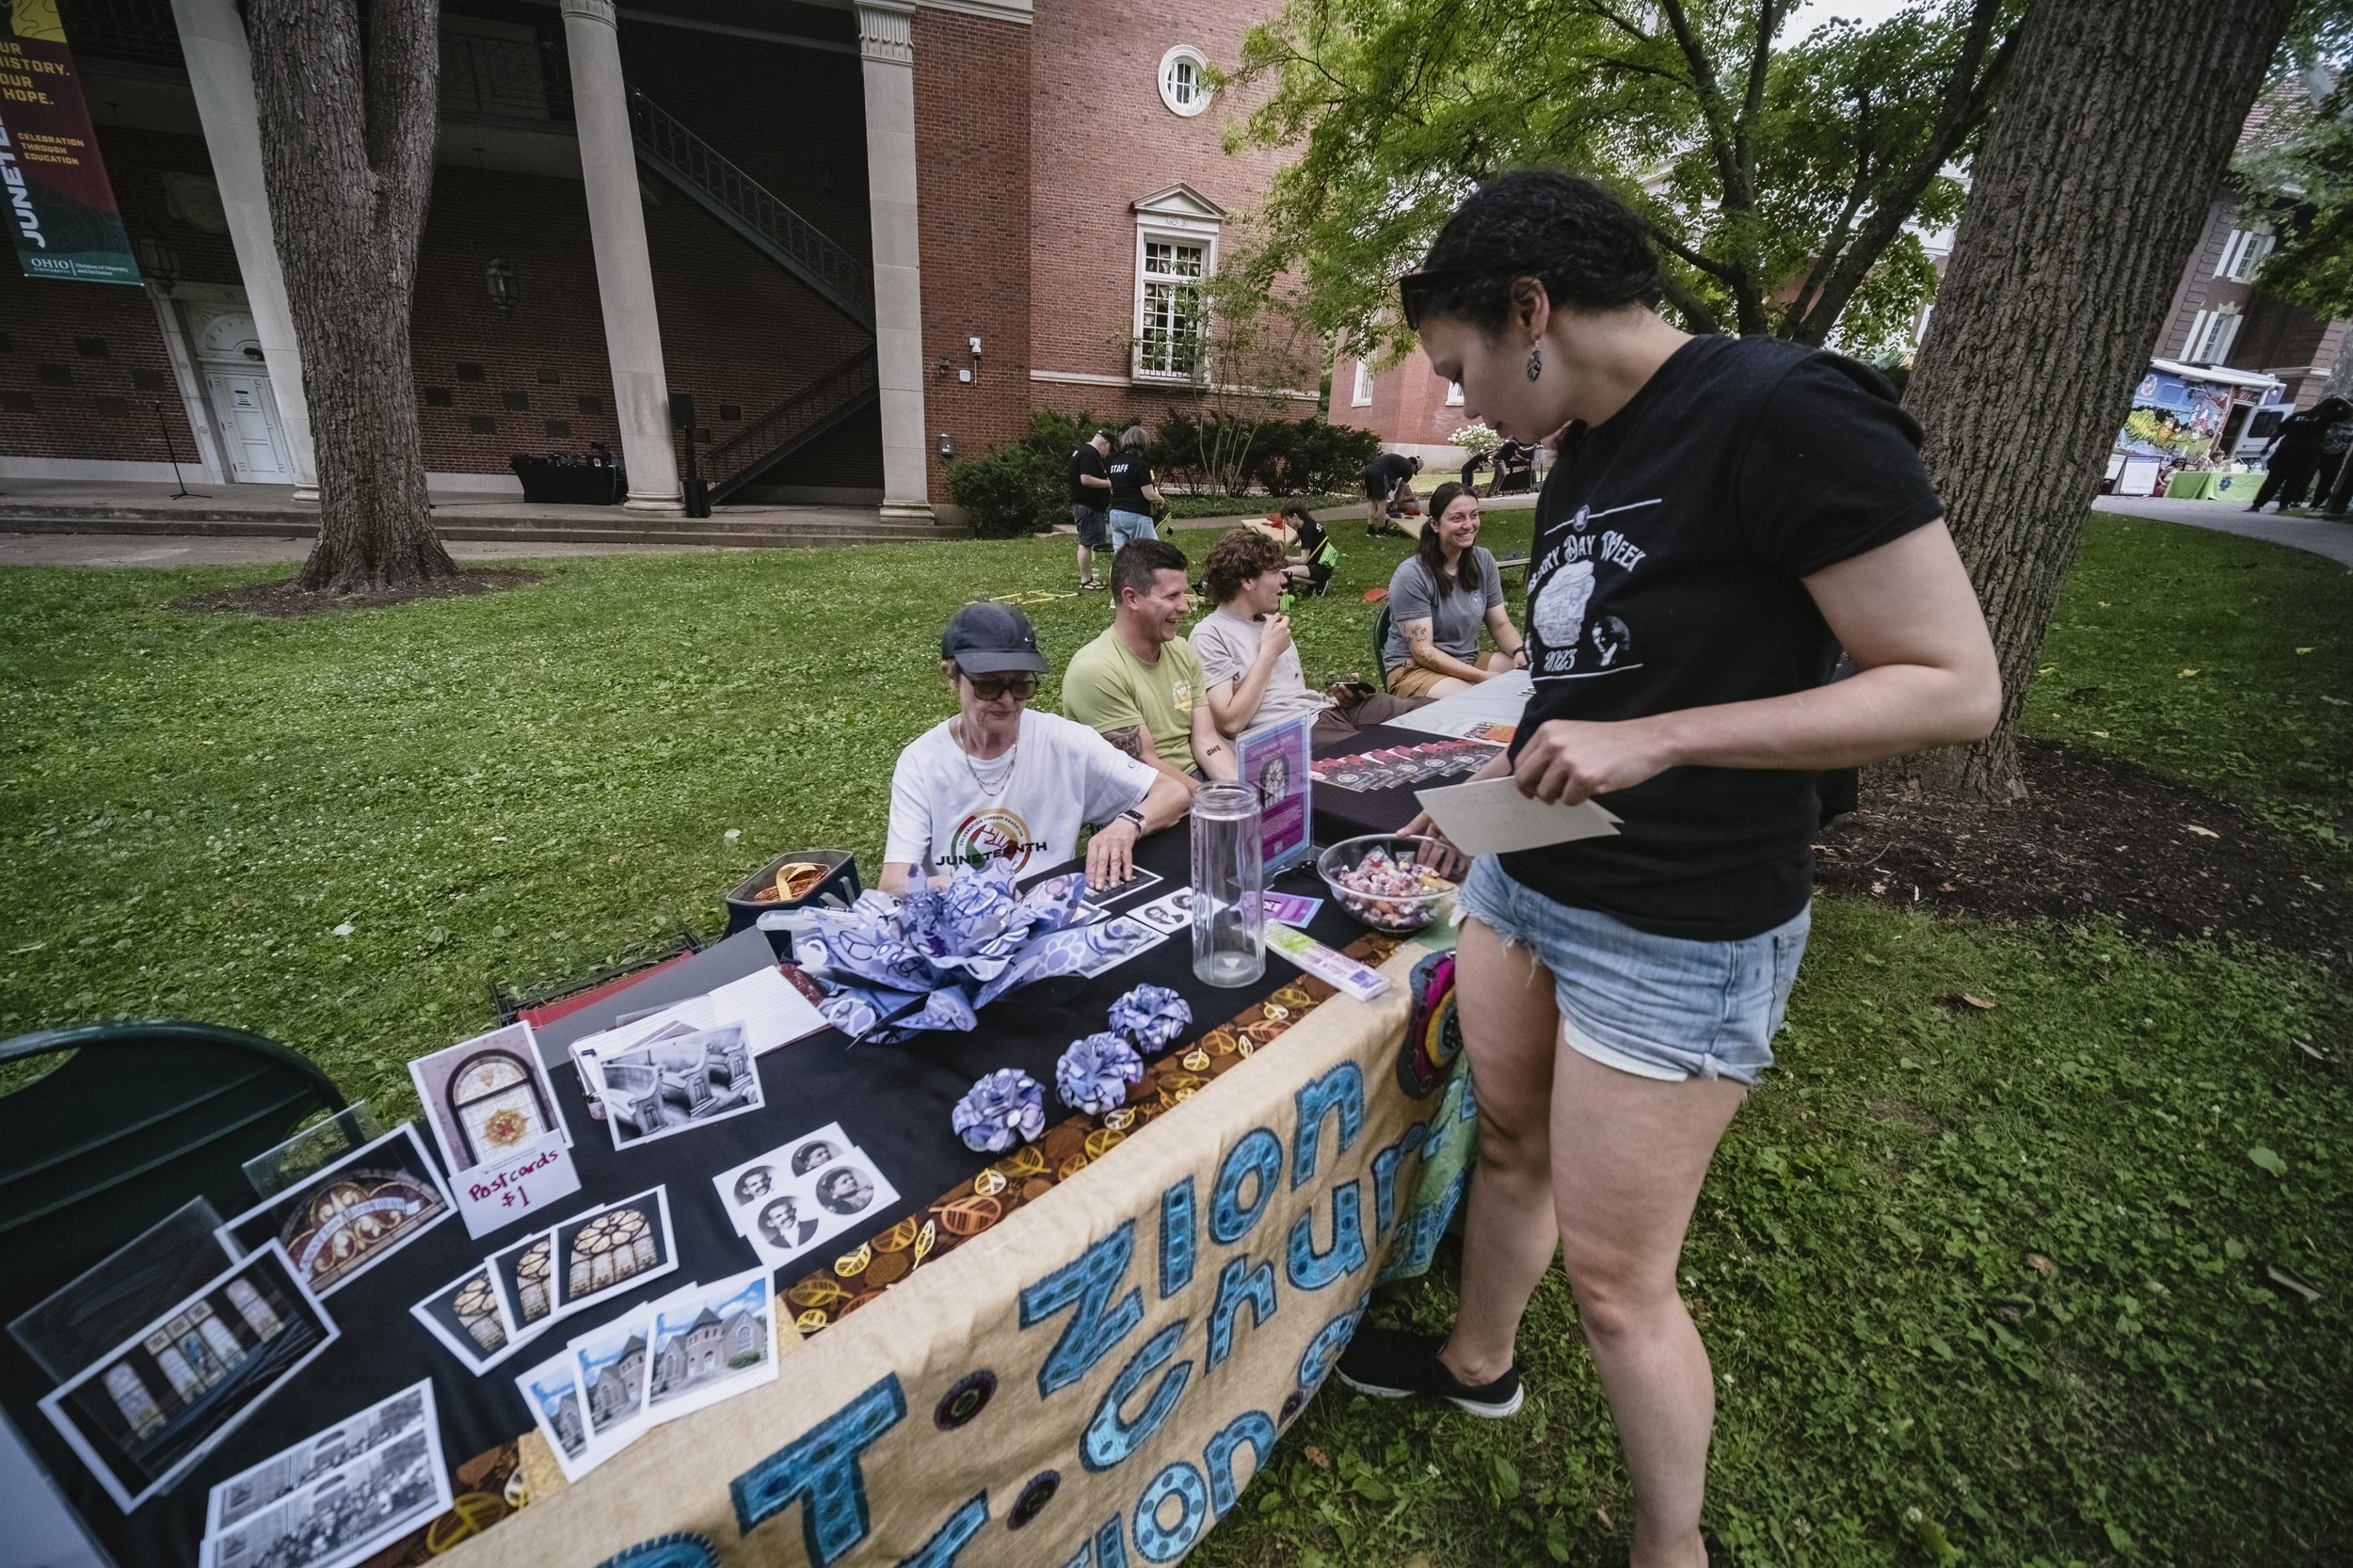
x=220 y=70
x=617 y=233
x=886 y=41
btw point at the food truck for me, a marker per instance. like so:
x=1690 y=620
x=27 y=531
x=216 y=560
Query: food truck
x=2189 y=415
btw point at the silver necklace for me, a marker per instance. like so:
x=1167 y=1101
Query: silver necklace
x=1013 y=755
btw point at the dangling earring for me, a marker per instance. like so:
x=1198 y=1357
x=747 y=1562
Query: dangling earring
x=1536 y=362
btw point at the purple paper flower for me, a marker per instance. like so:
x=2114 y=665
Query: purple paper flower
x=1151 y=1016
x=1004 y=1108
x=1094 y=1073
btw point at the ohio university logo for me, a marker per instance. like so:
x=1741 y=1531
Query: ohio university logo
x=995 y=833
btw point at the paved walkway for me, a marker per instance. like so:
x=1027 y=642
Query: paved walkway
x=2317 y=535
x=151 y=550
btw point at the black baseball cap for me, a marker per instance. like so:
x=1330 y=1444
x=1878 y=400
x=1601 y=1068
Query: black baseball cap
x=989 y=638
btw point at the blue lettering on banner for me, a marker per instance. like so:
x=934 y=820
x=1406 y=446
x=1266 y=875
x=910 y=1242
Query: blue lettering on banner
x=1166 y=1543
x=962 y=1526
x=1384 y=1166
x=1110 y=1545
x=1110 y=1436
x=1325 y=1347
x=1239 y=1283
x=1260 y=1154
x=1312 y=1271
x=1097 y=1328
x=1176 y=1238
x=820 y=1471
x=1342 y=1089
x=1253 y=1427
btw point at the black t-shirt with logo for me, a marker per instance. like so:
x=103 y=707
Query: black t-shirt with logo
x=1087 y=460
x=1129 y=475
x=1670 y=542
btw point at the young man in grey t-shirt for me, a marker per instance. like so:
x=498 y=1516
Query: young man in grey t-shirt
x=1248 y=661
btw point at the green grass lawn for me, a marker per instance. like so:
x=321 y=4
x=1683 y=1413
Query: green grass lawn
x=2000 y=1268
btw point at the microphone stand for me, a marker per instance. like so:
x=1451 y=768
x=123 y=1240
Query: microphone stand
x=171 y=449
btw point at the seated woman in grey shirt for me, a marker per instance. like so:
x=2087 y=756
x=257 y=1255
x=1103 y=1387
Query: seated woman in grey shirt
x=1439 y=597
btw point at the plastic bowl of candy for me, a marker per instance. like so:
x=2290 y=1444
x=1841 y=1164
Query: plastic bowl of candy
x=1386 y=880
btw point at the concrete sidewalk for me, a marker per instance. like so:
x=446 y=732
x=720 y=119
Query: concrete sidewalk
x=2316 y=533
x=166 y=549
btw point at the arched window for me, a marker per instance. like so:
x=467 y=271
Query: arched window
x=496 y=1103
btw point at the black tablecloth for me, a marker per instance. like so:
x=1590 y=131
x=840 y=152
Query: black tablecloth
x=579 y=484
x=893 y=1099
x=1349 y=813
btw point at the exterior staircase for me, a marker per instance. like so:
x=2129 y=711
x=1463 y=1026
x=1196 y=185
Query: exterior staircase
x=801 y=418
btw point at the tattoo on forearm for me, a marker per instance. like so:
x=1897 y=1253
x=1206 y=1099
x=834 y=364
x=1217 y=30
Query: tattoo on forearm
x=1131 y=741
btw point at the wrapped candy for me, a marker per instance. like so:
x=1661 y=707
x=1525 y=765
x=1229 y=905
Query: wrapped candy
x=1153 y=1017
x=1395 y=895
x=1004 y=1108
x=1094 y=1073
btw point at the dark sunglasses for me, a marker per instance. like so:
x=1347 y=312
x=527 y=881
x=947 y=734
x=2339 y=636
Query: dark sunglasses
x=1415 y=288
x=988 y=688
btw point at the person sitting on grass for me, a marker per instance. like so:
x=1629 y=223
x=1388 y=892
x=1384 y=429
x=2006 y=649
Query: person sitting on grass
x=1247 y=656
x=1139 y=684
x=1001 y=782
x=1439 y=597
x=1308 y=569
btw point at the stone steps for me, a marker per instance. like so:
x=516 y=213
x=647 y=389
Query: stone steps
x=628 y=528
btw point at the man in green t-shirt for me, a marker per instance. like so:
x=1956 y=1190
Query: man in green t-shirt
x=1138 y=683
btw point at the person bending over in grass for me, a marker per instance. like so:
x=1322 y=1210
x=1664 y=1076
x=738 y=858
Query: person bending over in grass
x=1725 y=513
x=1000 y=782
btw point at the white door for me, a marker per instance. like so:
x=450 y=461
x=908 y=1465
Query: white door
x=250 y=432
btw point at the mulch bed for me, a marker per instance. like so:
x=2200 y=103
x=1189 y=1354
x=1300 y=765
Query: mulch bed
x=288 y=598
x=2094 y=836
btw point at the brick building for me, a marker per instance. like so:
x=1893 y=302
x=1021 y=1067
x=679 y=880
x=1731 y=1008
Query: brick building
x=861 y=236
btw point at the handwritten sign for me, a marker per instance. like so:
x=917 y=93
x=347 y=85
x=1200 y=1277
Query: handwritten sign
x=491 y=1197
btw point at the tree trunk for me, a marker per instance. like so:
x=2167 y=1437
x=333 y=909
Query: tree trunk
x=347 y=156
x=2114 y=132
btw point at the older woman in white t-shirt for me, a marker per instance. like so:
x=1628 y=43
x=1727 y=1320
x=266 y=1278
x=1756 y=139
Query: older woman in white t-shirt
x=1001 y=782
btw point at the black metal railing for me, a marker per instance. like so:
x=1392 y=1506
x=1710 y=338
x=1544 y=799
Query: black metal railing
x=140 y=31
x=807 y=413
x=505 y=78
x=840 y=275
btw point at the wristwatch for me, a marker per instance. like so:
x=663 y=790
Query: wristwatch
x=1131 y=814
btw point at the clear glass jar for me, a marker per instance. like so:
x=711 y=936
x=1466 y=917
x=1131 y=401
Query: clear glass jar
x=1229 y=877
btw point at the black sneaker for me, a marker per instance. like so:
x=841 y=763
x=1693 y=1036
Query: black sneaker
x=1392 y=1364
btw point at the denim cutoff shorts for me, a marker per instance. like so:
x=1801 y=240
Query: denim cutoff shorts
x=1126 y=527
x=1661 y=1007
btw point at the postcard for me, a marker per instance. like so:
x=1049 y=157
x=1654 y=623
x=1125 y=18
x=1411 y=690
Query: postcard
x=525 y=1276
x=488 y=1098
x=613 y=1249
x=1138 y=881
x=470 y=1319
x=711 y=1342
x=1291 y=908
x=145 y=1412
x=351 y=1216
x=744 y=1188
x=249 y=1492
x=676 y=1082
x=610 y=1365
x=1491 y=817
x=1131 y=938
x=812 y=1208
x=679 y=1018
x=347 y=1515
x=1170 y=912
x=553 y=1392
x=773 y=1009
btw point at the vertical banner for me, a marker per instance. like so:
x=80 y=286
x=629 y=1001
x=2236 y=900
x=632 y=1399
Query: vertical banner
x=1274 y=762
x=60 y=211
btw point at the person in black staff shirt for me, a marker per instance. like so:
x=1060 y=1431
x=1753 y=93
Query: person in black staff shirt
x=1090 y=502
x=1384 y=475
x=1134 y=492
x=1724 y=515
x=2295 y=449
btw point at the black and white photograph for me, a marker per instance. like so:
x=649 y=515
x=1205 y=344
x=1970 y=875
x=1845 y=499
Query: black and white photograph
x=711 y=1342
x=676 y=1082
x=338 y=1224
x=139 y=1416
x=846 y=1190
x=613 y=1249
x=469 y=1318
x=524 y=1273
x=786 y=1225
x=488 y=1097
x=745 y=1190
x=347 y=1515
x=814 y=1151
x=249 y=1492
x=610 y=1367
x=1125 y=937
x=1171 y=912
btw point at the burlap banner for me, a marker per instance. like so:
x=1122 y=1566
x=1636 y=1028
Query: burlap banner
x=1093 y=1379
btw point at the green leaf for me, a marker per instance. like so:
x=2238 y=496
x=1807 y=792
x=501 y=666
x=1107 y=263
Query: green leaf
x=2118 y=1537
x=1557 y=1540
x=2268 y=1161
x=1507 y=1476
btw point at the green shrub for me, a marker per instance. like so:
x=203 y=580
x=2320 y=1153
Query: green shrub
x=1021 y=486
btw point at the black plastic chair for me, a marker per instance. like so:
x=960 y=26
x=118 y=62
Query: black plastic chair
x=1381 y=643
x=142 y=1117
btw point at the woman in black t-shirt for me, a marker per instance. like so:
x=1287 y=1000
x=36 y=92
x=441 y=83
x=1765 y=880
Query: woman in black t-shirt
x=1725 y=513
